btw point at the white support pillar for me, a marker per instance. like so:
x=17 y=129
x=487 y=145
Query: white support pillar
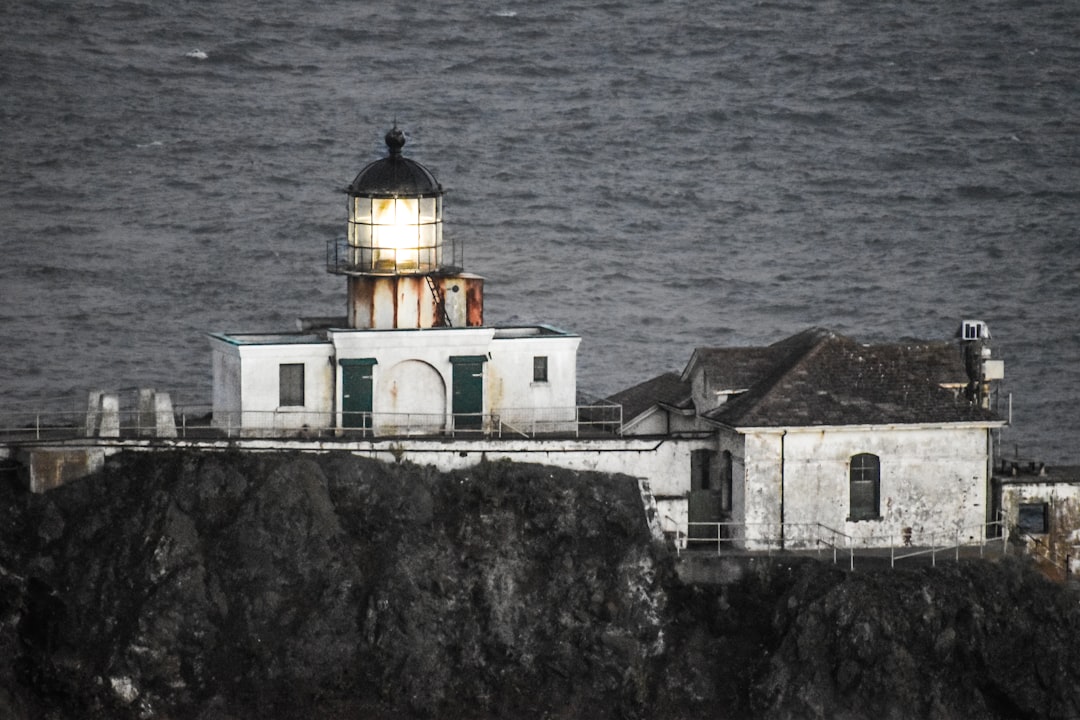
x=164 y=419
x=110 y=415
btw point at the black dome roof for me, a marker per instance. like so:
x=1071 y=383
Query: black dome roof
x=395 y=175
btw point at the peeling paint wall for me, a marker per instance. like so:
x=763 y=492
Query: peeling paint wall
x=49 y=468
x=516 y=397
x=387 y=302
x=247 y=378
x=932 y=481
x=735 y=443
x=225 y=362
x=1062 y=541
x=410 y=394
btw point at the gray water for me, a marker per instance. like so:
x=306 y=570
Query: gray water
x=654 y=176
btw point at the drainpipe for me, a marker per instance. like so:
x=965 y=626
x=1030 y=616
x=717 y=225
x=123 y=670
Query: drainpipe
x=782 y=434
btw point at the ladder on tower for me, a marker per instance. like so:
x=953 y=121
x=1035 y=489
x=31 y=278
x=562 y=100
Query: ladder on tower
x=440 y=304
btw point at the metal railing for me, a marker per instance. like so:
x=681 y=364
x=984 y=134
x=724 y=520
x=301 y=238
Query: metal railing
x=770 y=538
x=70 y=424
x=198 y=421
x=509 y=423
x=1039 y=548
x=341 y=257
x=944 y=542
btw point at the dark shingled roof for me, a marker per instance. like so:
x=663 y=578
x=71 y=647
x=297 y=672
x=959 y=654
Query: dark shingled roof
x=667 y=389
x=818 y=377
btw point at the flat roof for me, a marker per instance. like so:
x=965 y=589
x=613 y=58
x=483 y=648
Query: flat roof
x=1037 y=474
x=313 y=338
x=294 y=338
x=516 y=331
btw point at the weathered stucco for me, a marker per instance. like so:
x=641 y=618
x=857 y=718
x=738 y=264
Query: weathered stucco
x=246 y=384
x=412 y=377
x=933 y=482
x=1061 y=543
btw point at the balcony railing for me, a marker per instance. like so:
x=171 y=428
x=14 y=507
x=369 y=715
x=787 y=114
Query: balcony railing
x=343 y=258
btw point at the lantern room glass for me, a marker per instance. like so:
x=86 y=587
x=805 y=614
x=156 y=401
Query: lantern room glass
x=398 y=235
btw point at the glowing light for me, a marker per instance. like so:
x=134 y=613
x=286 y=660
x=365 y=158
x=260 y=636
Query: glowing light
x=395 y=232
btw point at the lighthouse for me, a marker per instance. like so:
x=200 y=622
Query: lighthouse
x=401 y=273
x=412 y=356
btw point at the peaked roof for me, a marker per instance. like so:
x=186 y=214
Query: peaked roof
x=818 y=377
x=667 y=389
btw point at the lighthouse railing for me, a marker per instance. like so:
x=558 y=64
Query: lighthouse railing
x=152 y=415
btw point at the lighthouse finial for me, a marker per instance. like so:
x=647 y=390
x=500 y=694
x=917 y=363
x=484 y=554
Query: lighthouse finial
x=395 y=139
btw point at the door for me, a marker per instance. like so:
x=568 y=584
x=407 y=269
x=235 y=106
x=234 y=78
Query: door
x=468 y=392
x=356 y=392
x=705 y=501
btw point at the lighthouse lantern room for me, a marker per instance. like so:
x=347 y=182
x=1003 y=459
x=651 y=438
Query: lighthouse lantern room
x=394 y=255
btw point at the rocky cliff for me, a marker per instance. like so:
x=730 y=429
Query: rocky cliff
x=234 y=586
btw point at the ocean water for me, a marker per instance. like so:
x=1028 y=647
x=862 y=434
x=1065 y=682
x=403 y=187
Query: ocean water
x=654 y=176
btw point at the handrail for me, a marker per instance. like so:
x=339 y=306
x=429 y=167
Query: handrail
x=1047 y=553
x=198 y=420
x=838 y=541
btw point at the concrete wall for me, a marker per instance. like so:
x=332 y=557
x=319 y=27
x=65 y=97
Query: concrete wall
x=933 y=481
x=663 y=464
x=413 y=375
x=410 y=395
x=1062 y=541
x=48 y=468
x=246 y=384
x=658 y=421
x=225 y=364
x=517 y=398
x=508 y=371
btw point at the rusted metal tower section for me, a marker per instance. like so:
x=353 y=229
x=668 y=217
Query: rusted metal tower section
x=401 y=272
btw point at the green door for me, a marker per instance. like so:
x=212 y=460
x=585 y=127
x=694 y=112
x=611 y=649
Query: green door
x=468 y=392
x=356 y=392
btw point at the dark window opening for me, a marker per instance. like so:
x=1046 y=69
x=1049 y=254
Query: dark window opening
x=1034 y=518
x=700 y=469
x=540 y=368
x=727 y=477
x=865 y=481
x=291 y=384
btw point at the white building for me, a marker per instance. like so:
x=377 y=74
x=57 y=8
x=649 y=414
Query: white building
x=412 y=355
x=821 y=438
x=812 y=437
x=1042 y=507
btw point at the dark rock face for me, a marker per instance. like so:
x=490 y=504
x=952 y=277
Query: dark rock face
x=234 y=586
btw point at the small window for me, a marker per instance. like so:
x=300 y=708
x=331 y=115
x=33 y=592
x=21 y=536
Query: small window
x=291 y=384
x=540 y=368
x=1033 y=518
x=865 y=484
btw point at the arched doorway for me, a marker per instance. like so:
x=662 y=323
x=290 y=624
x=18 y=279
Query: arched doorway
x=410 y=399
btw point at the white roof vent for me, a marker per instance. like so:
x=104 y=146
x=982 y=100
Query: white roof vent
x=974 y=330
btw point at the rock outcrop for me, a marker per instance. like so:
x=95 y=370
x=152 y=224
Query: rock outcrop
x=227 y=586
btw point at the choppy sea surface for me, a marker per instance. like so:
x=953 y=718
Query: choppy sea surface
x=654 y=176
